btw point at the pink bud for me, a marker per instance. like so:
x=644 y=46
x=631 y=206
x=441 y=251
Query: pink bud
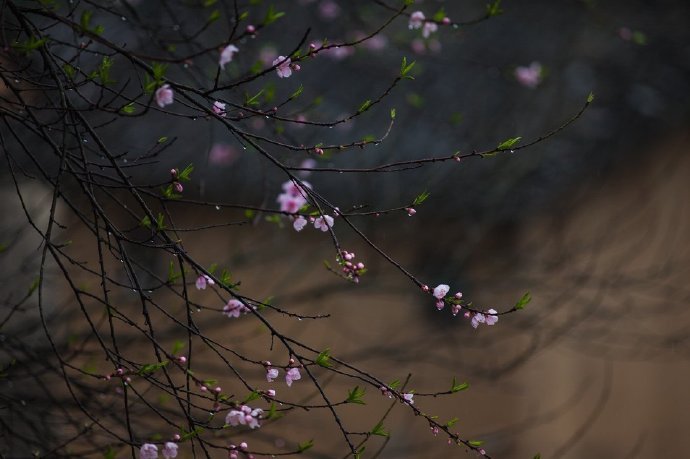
x=425 y=288
x=120 y=371
x=292 y=361
x=296 y=67
x=203 y=388
x=318 y=151
x=360 y=265
x=445 y=21
x=271 y=393
x=182 y=359
x=218 y=389
x=173 y=172
x=176 y=437
x=244 y=446
x=411 y=211
x=250 y=29
x=458 y=295
x=312 y=46
x=178 y=187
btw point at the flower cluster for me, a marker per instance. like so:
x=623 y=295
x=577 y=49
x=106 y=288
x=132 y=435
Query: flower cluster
x=418 y=20
x=440 y=292
x=150 y=451
x=245 y=416
x=292 y=374
x=293 y=197
x=234 y=450
x=235 y=308
x=351 y=269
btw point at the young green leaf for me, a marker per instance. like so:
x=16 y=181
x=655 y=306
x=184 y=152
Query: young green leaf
x=475 y=443
x=355 y=396
x=590 y=98
x=421 y=198
x=324 y=359
x=305 y=445
x=507 y=144
x=379 y=430
x=455 y=387
x=365 y=106
x=522 y=302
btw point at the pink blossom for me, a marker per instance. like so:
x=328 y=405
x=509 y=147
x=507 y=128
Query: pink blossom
x=294 y=189
x=148 y=451
x=292 y=374
x=529 y=76
x=323 y=223
x=234 y=308
x=416 y=20
x=170 y=450
x=429 y=28
x=164 y=95
x=440 y=304
x=290 y=204
x=282 y=65
x=441 y=290
x=271 y=374
x=219 y=108
x=409 y=398
x=418 y=46
x=222 y=154
x=328 y=9
x=299 y=223
x=202 y=281
x=308 y=163
x=226 y=55
x=245 y=416
x=490 y=317
x=477 y=319
x=271 y=392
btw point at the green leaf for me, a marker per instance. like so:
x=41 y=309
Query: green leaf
x=253 y=100
x=69 y=70
x=150 y=368
x=590 y=98
x=305 y=445
x=225 y=278
x=249 y=213
x=421 y=198
x=379 y=430
x=34 y=285
x=160 y=219
x=273 y=412
x=365 y=106
x=272 y=15
x=393 y=385
x=455 y=387
x=145 y=222
x=392 y=113
x=494 y=8
x=451 y=422
x=214 y=16
x=522 y=302
x=173 y=275
x=162 y=139
x=85 y=20
x=31 y=44
x=297 y=92
x=324 y=359
x=128 y=109
x=355 y=396
x=507 y=144
x=109 y=453
x=439 y=15
x=358 y=453
x=177 y=346
x=405 y=68
x=475 y=443
x=184 y=175
x=251 y=397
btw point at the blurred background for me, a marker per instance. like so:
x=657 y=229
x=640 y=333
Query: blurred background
x=594 y=221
